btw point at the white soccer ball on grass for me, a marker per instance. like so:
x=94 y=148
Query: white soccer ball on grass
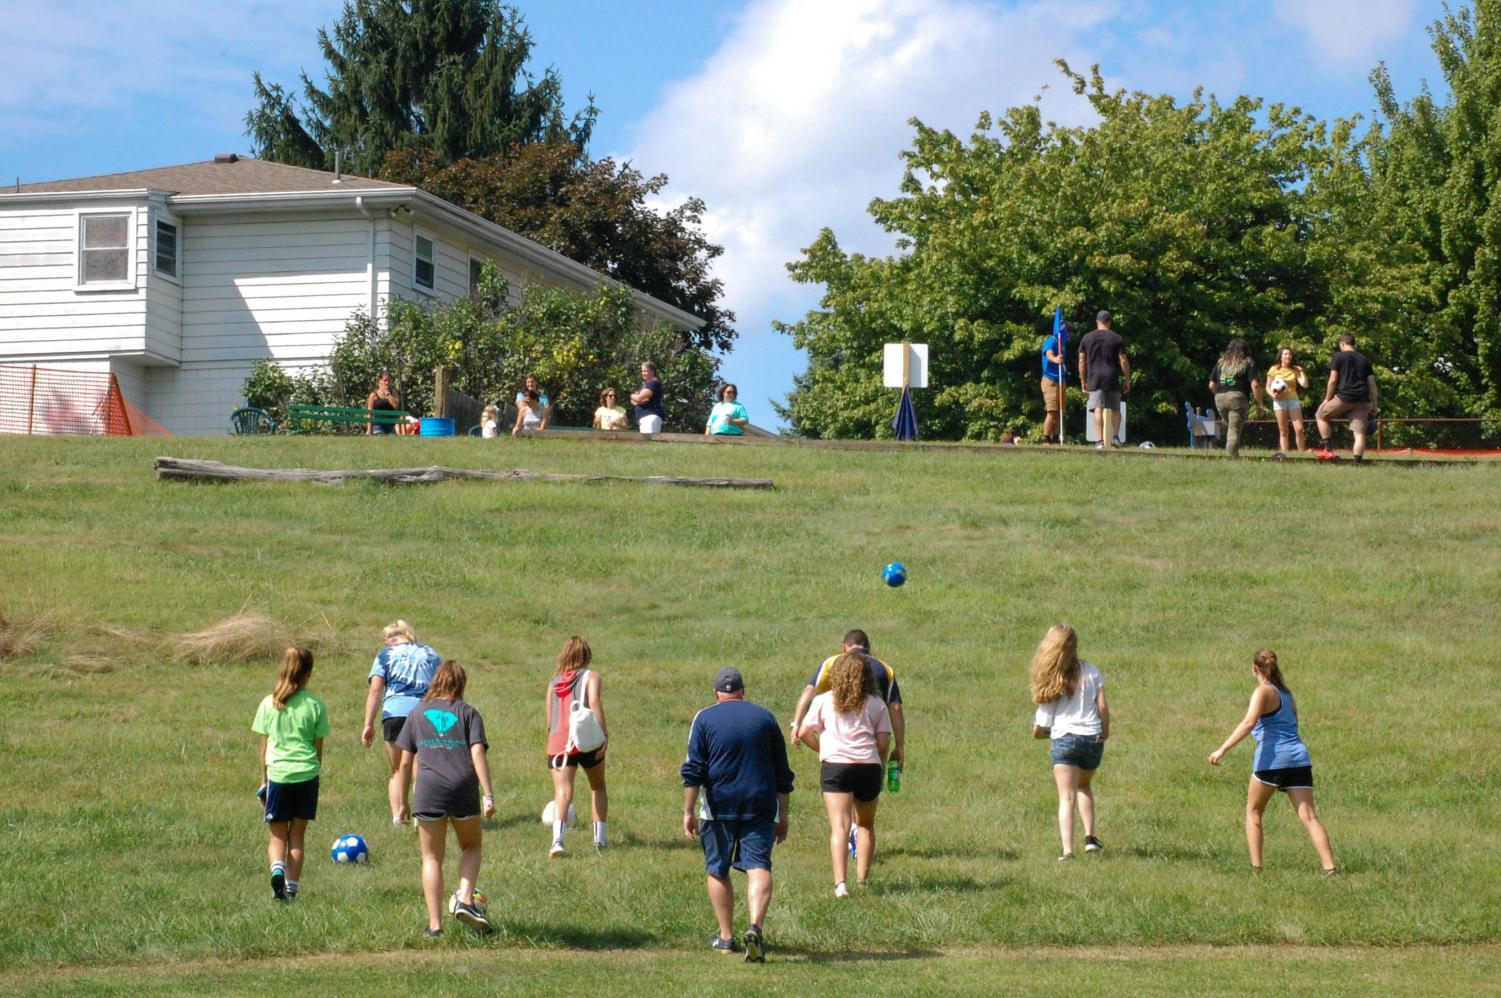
x=550 y=814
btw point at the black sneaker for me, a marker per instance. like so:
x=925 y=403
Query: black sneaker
x=471 y=916
x=755 y=946
x=719 y=944
x=432 y=933
x=279 y=886
x=1092 y=844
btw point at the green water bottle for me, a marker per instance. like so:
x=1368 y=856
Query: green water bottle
x=893 y=775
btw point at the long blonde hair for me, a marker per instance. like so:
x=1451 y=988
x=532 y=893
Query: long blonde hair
x=576 y=654
x=849 y=679
x=296 y=670
x=400 y=629
x=1055 y=664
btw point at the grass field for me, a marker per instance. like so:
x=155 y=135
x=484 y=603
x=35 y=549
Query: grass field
x=135 y=859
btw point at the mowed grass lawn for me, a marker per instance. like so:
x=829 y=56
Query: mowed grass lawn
x=134 y=855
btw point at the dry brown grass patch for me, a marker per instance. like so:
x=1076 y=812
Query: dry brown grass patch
x=19 y=638
x=247 y=636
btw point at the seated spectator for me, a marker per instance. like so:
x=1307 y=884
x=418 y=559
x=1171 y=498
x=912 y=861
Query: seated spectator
x=610 y=415
x=728 y=417
x=544 y=410
x=529 y=413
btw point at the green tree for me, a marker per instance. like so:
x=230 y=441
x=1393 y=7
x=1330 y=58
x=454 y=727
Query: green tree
x=595 y=212
x=1187 y=220
x=447 y=76
x=1435 y=172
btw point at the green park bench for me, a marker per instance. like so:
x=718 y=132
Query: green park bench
x=312 y=418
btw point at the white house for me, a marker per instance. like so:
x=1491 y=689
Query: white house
x=177 y=280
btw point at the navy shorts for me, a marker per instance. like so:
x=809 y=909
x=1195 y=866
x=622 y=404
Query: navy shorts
x=1083 y=751
x=291 y=801
x=744 y=845
x=390 y=727
x=1291 y=778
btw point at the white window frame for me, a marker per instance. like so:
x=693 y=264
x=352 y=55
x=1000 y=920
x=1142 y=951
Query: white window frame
x=427 y=289
x=131 y=237
x=161 y=215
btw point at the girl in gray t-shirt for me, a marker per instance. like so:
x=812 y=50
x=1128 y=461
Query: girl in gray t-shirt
x=444 y=738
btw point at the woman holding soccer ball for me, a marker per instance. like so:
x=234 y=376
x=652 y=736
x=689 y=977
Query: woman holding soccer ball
x=1072 y=712
x=850 y=727
x=1283 y=380
x=1281 y=761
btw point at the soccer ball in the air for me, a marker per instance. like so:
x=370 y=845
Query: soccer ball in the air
x=350 y=849
x=550 y=814
x=480 y=901
x=894 y=574
x=1278 y=386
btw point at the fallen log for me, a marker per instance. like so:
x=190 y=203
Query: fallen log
x=174 y=469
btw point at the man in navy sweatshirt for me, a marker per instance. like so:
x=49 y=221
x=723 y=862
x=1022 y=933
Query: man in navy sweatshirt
x=737 y=758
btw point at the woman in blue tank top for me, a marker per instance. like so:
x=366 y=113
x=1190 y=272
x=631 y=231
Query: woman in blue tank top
x=1281 y=760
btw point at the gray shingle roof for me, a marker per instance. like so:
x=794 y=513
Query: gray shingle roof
x=243 y=176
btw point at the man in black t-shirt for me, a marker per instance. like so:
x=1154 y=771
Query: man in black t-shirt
x=1351 y=394
x=1105 y=373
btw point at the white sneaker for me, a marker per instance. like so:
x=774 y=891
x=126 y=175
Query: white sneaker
x=842 y=890
x=556 y=850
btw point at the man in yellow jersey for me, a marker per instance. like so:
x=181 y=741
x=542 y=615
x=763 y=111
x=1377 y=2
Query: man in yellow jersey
x=886 y=688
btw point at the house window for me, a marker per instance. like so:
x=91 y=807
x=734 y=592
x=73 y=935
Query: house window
x=424 y=274
x=476 y=269
x=104 y=249
x=166 y=248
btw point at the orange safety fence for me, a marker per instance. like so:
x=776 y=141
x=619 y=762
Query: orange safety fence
x=51 y=401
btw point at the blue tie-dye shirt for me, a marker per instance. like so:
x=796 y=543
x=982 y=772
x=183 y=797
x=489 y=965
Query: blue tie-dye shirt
x=407 y=669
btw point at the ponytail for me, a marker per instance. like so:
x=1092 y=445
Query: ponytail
x=296 y=670
x=1266 y=665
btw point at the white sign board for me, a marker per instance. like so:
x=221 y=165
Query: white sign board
x=1092 y=434
x=917 y=365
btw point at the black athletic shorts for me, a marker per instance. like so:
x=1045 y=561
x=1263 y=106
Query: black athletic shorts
x=863 y=779
x=586 y=759
x=391 y=727
x=1292 y=778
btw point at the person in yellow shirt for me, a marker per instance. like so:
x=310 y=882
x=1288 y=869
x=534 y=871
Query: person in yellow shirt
x=1285 y=402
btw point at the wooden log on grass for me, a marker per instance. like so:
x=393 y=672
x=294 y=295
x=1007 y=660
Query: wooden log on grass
x=185 y=470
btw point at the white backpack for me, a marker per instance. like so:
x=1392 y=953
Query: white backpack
x=585 y=733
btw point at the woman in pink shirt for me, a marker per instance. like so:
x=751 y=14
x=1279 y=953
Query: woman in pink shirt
x=851 y=729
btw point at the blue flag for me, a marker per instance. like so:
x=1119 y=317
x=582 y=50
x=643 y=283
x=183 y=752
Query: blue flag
x=904 y=424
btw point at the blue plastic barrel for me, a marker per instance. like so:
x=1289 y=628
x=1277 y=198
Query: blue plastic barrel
x=436 y=426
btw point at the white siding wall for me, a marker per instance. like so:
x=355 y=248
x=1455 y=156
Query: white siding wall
x=43 y=316
x=163 y=294
x=254 y=287
x=453 y=252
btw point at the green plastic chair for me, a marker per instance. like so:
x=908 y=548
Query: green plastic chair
x=251 y=421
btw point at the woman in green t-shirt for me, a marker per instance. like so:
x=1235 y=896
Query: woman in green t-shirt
x=292 y=724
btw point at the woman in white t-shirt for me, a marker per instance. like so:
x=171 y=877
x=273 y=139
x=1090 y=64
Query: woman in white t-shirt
x=1071 y=710
x=851 y=729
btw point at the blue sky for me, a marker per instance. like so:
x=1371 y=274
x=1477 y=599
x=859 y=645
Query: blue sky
x=784 y=115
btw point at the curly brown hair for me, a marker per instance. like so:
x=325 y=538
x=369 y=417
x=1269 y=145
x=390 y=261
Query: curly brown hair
x=851 y=683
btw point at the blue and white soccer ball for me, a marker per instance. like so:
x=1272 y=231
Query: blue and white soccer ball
x=894 y=574
x=350 y=849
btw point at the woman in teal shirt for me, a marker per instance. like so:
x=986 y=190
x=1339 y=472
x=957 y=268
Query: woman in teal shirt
x=728 y=417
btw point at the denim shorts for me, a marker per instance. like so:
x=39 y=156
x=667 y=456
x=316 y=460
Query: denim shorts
x=1083 y=751
x=291 y=801
x=744 y=845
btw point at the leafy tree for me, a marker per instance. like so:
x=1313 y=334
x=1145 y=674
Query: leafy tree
x=1435 y=174
x=1189 y=221
x=594 y=212
x=447 y=76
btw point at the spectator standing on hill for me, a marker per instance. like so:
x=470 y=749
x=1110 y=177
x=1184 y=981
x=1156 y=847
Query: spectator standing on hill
x=1233 y=379
x=1105 y=372
x=648 y=400
x=611 y=414
x=728 y=417
x=1053 y=359
x=292 y=724
x=1281 y=761
x=1351 y=393
x=398 y=681
x=531 y=393
x=1283 y=379
x=884 y=676
x=736 y=785
x=1072 y=712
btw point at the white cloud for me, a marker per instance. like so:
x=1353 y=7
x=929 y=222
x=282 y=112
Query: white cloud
x=798 y=120
x=1349 y=33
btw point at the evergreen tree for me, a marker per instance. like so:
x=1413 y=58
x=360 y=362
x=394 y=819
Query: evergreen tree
x=445 y=76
